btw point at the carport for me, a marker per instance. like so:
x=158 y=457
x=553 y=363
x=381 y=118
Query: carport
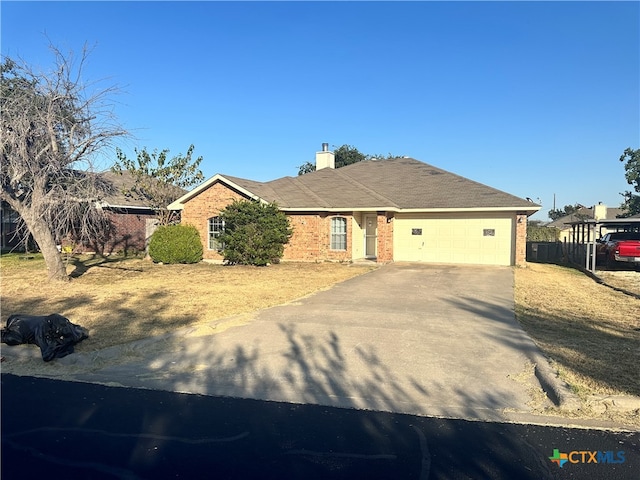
x=582 y=248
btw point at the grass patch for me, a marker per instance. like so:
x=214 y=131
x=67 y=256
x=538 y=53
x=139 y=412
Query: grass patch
x=590 y=331
x=123 y=299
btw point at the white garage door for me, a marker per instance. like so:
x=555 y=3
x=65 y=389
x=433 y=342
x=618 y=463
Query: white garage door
x=462 y=238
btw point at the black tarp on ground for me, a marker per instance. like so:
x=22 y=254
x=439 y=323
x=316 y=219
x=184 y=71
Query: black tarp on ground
x=54 y=334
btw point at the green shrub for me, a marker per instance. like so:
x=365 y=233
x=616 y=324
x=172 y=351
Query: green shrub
x=176 y=244
x=254 y=233
x=538 y=233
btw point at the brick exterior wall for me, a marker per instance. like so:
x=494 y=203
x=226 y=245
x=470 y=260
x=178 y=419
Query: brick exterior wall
x=304 y=244
x=209 y=203
x=385 y=238
x=310 y=242
x=311 y=239
x=521 y=240
x=129 y=232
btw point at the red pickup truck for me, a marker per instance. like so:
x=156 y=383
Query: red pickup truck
x=619 y=247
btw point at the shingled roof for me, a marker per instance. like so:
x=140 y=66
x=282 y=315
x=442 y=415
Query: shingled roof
x=583 y=213
x=118 y=184
x=390 y=184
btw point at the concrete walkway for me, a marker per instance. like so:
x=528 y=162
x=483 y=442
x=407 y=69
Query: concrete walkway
x=411 y=338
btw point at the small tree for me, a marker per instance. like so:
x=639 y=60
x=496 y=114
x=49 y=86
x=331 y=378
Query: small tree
x=631 y=159
x=159 y=181
x=255 y=233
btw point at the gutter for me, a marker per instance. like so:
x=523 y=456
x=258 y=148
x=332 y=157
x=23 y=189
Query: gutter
x=408 y=210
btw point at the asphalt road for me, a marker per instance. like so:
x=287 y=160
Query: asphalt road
x=70 y=430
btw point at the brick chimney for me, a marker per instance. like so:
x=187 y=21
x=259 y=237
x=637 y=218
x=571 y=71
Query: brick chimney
x=325 y=158
x=600 y=211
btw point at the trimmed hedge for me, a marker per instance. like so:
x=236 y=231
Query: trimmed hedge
x=537 y=233
x=176 y=244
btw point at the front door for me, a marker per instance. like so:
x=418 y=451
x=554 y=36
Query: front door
x=370 y=236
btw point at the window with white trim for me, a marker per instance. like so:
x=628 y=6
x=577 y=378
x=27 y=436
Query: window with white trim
x=338 y=233
x=216 y=227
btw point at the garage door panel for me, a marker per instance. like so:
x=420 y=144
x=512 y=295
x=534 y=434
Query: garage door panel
x=454 y=239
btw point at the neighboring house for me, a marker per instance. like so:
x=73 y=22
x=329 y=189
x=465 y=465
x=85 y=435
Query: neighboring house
x=10 y=239
x=599 y=212
x=131 y=220
x=385 y=210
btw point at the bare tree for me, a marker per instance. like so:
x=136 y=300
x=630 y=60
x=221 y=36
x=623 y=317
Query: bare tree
x=53 y=126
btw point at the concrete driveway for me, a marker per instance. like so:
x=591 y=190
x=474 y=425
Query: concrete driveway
x=413 y=338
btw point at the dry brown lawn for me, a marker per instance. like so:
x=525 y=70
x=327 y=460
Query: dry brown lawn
x=623 y=279
x=591 y=331
x=120 y=300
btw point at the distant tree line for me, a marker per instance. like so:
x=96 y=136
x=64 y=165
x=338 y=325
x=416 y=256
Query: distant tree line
x=555 y=214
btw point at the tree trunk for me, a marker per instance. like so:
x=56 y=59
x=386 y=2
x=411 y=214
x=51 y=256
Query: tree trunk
x=47 y=243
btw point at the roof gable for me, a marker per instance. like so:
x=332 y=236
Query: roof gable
x=241 y=185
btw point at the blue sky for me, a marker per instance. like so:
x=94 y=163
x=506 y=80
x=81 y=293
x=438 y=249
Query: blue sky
x=533 y=98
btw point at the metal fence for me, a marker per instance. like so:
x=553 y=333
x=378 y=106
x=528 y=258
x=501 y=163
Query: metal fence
x=545 y=252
